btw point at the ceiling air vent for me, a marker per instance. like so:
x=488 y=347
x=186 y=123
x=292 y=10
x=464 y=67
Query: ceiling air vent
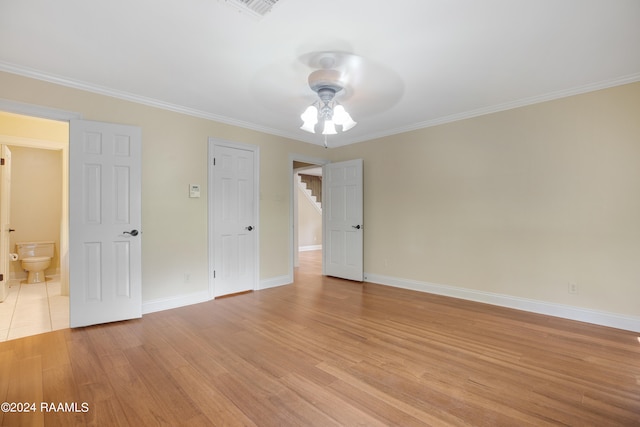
x=257 y=8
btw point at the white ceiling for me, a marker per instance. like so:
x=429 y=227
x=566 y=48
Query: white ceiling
x=408 y=63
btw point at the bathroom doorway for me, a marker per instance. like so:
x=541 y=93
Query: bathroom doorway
x=39 y=206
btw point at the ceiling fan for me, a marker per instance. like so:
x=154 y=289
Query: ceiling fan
x=336 y=76
x=326 y=110
x=337 y=81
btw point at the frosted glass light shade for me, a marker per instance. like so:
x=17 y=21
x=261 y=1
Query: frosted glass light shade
x=330 y=117
x=329 y=128
x=348 y=123
x=339 y=115
x=310 y=118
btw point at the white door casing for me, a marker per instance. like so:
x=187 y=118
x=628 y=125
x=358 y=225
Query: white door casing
x=105 y=242
x=233 y=217
x=342 y=197
x=5 y=222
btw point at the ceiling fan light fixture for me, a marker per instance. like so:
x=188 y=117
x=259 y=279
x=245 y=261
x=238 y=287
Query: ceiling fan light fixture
x=341 y=117
x=329 y=128
x=348 y=124
x=310 y=118
x=309 y=127
x=326 y=84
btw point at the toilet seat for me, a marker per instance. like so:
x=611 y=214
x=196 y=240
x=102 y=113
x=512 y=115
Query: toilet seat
x=35 y=259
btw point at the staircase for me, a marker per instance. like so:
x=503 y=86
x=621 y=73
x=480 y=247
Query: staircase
x=314 y=194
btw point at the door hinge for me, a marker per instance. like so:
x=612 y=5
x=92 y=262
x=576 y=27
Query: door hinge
x=214 y=274
x=1 y=162
x=214 y=161
x=1 y=275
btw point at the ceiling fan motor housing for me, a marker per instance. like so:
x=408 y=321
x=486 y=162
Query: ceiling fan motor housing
x=326 y=83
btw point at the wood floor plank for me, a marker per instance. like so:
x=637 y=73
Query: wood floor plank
x=325 y=351
x=323 y=398
x=7 y=363
x=176 y=404
x=25 y=388
x=59 y=386
x=215 y=406
x=133 y=402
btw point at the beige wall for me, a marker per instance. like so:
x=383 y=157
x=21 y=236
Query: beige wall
x=36 y=200
x=174 y=153
x=519 y=203
x=32 y=128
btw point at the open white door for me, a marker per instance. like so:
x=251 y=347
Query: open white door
x=5 y=226
x=105 y=216
x=342 y=220
x=235 y=216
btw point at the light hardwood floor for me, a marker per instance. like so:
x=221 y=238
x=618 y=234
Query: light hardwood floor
x=327 y=352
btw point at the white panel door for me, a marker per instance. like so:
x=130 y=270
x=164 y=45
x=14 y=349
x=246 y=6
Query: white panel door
x=235 y=220
x=105 y=247
x=5 y=225
x=342 y=219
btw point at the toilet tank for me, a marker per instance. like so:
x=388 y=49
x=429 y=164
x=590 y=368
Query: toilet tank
x=33 y=249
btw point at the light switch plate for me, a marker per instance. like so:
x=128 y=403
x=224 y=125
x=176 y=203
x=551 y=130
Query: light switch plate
x=194 y=190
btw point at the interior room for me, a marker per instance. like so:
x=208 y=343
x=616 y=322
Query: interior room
x=36 y=212
x=486 y=166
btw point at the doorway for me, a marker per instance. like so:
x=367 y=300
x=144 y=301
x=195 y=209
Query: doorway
x=306 y=210
x=40 y=153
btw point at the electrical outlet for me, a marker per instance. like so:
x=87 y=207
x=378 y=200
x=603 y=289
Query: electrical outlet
x=573 y=288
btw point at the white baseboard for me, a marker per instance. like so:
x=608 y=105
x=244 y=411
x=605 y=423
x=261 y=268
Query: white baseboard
x=161 y=304
x=309 y=248
x=629 y=323
x=275 y=281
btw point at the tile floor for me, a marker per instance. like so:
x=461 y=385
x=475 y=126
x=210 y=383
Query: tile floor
x=32 y=309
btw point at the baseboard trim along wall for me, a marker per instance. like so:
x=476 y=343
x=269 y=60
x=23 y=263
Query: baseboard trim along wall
x=629 y=323
x=310 y=248
x=275 y=282
x=161 y=304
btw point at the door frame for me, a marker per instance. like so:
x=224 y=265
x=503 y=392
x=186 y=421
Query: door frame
x=15 y=107
x=294 y=157
x=211 y=144
x=5 y=220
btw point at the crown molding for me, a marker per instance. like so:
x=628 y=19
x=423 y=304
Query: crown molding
x=578 y=90
x=101 y=90
x=127 y=96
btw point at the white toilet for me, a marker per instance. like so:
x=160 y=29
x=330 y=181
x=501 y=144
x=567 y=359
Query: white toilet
x=35 y=258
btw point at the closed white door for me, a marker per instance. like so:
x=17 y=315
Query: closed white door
x=342 y=220
x=235 y=234
x=105 y=277
x=5 y=225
